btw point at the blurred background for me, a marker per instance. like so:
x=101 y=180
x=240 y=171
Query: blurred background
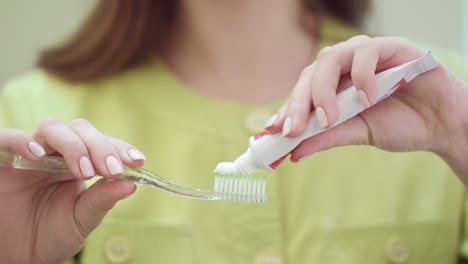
x=27 y=26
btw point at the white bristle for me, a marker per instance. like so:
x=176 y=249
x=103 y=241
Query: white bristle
x=230 y=185
x=249 y=186
x=254 y=185
x=236 y=185
x=259 y=185
x=216 y=185
x=223 y=184
x=245 y=188
x=241 y=184
x=263 y=187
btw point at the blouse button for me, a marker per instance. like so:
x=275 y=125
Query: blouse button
x=396 y=250
x=268 y=258
x=255 y=121
x=117 y=250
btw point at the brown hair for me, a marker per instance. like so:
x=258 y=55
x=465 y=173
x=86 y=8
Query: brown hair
x=120 y=33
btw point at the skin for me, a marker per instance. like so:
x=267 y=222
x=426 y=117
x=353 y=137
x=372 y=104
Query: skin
x=47 y=217
x=212 y=60
x=431 y=111
x=235 y=60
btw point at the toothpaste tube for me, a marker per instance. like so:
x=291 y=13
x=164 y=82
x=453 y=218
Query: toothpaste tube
x=268 y=151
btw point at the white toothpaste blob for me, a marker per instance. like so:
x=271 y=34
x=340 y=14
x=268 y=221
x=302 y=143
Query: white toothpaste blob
x=268 y=151
x=226 y=168
x=245 y=165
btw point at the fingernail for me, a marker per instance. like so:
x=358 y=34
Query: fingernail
x=322 y=117
x=36 y=149
x=113 y=165
x=304 y=158
x=287 y=126
x=136 y=155
x=86 y=167
x=271 y=121
x=363 y=99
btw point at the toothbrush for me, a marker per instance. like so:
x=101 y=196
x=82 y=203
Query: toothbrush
x=145 y=177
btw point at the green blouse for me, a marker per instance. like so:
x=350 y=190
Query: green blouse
x=353 y=204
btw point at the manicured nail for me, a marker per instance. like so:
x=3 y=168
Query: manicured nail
x=363 y=99
x=36 y=149
x=136 y=155
x=86 y=167
x=304 y=158
x=113 y=165
x=322 y=117
x=287 y=126
x=271 y=121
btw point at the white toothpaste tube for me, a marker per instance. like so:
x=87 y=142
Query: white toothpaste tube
x=268 y=151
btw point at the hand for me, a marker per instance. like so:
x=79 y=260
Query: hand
x=46 y=217
x=430 y=113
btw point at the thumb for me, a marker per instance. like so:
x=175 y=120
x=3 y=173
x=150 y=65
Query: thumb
x=352 y=132
x=94 y=203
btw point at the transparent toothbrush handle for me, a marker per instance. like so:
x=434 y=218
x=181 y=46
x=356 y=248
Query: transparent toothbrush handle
x=48 y=163
x=133 y=174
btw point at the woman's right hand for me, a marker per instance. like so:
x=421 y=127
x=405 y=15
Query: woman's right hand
x=429 y=114
x=45 y=216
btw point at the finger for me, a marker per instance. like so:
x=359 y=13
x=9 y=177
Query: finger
x=130 y=155
x=55 y=136
x=375 y=55
x=94 y=203
x=331 y=65
x=299 y=104
x=21 y=143
x=363 y=73
x=352 y=132
x=394 y=51
x=275 y=123
x=103 y=155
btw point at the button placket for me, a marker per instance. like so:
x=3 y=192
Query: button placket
x=117 y=250
x=268 y=258
x=397 y=250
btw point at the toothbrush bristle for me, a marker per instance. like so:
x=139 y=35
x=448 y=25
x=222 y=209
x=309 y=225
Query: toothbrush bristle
x=243 y=188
